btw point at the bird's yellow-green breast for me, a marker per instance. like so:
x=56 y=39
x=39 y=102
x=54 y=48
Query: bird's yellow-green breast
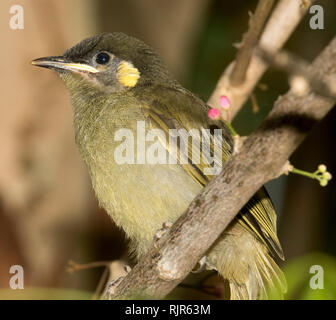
x=116 y=82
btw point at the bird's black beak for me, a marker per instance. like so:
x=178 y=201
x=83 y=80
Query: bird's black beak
x=59 y=63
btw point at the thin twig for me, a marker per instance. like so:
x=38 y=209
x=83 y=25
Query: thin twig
x=281 y=24
x=250 y=40
x=101 y=284
x=296 y=66
x=74 y=266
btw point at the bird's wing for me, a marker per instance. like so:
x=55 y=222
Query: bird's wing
x=160 y=104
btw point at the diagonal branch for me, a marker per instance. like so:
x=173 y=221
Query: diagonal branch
x=261 y=158
x=250 y=40
x=301 y=70
x=281 y=24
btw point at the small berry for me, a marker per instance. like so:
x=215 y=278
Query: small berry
x=323 y=183
x=327 y=175
x=213 y=114
x=322 y=168
x=224 y=102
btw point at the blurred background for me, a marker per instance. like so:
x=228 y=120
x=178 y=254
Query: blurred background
x=48 y=212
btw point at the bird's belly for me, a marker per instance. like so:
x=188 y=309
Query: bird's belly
x=141 y=197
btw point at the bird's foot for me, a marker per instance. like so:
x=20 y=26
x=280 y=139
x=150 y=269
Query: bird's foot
x=161 y=232
x=127 y=269
x=237 y=143
x=202 y=264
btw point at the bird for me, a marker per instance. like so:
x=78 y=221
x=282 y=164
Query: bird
x=122 y=91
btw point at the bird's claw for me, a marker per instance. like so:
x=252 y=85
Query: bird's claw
x=237 y=143
x=161 y=232
x=127 y=269
x=202 y=264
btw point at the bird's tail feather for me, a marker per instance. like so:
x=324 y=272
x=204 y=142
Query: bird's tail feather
x=265 y=280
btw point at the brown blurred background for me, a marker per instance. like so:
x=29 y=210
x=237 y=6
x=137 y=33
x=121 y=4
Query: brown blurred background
x=48 y=212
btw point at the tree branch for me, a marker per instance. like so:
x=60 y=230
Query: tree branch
x=281 y=24
x=301 y=69
x=250 y=40
x=261 y=158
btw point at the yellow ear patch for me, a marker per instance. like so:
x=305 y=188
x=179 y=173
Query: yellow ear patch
x=127 y=74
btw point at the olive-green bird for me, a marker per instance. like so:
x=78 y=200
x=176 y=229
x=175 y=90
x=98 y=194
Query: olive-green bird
x=117 y=82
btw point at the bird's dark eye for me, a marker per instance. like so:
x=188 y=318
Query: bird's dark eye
x=102 y=58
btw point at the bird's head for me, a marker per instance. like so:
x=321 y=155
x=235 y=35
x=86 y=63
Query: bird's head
x=111 y=62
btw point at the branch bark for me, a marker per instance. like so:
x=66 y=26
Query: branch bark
x=261 y=158
x=281 y=24
x=250 y=40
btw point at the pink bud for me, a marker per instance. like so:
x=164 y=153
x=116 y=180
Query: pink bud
x=213 y=114
x=224 y=102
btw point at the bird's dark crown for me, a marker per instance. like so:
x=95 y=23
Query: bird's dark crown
x=124 y=48
x=111 y=62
